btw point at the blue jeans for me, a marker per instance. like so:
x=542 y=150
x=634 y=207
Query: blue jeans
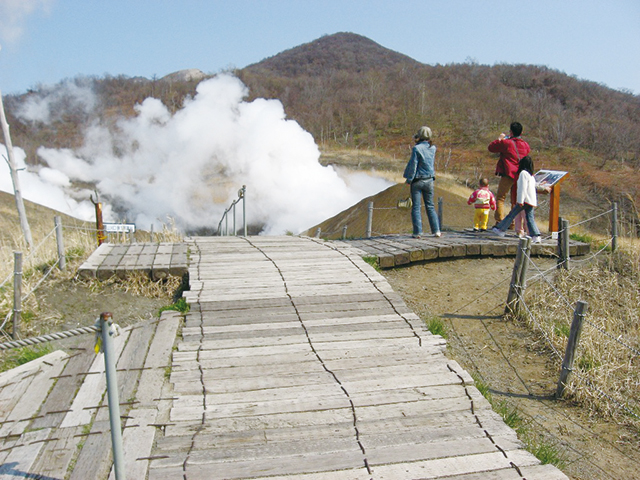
x=528 y=212
x=423 y=188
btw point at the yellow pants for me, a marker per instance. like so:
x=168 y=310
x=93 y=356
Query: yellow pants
x=481 y=218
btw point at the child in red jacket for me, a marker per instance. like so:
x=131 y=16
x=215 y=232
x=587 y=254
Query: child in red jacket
x=483 y=201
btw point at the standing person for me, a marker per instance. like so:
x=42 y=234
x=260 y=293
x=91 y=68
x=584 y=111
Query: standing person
x=526 y=200
x=511 y=149
x=420 y=174
x=483 y=201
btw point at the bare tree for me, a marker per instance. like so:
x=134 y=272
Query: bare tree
x=24 y=224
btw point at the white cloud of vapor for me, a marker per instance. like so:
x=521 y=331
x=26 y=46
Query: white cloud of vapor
x=190 y=165
x=13 y=15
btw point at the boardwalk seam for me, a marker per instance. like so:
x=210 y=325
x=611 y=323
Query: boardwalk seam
x=329 y=371
x=204 y=390
x=374 y=286
x=465 y=386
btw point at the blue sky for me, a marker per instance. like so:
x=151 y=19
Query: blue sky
x=45 y=41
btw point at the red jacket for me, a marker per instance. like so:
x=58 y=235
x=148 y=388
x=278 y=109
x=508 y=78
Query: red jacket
x=483 y=198
x=509 y=159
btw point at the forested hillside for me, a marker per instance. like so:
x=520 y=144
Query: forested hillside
x=348 y=91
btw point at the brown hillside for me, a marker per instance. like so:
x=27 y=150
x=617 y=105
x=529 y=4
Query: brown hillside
x=388 y=219
x=338 y=52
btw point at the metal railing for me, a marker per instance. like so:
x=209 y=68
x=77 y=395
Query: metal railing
x=232 y=208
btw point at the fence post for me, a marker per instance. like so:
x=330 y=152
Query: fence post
x=244 y=208
x=318 y=231
x=572 y=345
x=565 y=243
x=235 y=231
x=344 y=232
x=151 y=234
x=369 y=220
x=107 y=331
x=522 y=282
x=440 y=212
x=62 y=261
x=614 y=227
x=17 y=293
x=515 y=277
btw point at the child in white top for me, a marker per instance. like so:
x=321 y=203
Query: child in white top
x=526 y=200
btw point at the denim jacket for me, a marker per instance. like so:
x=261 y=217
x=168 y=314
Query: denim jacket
x=421 y=162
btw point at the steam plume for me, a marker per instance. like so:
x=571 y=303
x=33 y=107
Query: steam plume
x=190 y=165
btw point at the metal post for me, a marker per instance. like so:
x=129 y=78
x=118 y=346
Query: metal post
x=369 y=220
x=108 y=332
x=151 y=234
x=614 y=227
x=17 y=293
x=515 y=277
x=561 y=254
x=244 y=208
x=344 y=232
x=572 y=345
x=62 y=261
x=234 y=219
x=565 y=243
x=440 y=212
x=226 y=223
x=318 y=231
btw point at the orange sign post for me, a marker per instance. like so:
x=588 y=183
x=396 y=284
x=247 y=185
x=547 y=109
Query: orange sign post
x=552 y=179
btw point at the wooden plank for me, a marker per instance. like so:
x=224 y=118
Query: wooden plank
x=29 y=404
x=61 y=396
x=20 y=460
x=137 y=443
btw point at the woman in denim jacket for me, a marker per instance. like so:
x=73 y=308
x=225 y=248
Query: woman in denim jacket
x=420 y=175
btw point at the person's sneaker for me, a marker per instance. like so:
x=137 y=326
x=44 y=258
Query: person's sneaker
x=476 y=229
x=536 y=239
x=415 y=235
x=521 y=234
x=497 y=231
x=437 y=234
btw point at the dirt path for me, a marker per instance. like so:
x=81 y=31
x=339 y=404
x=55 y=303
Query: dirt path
x=469 y=295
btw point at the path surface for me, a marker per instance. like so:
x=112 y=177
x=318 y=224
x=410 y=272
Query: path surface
x=298 y=361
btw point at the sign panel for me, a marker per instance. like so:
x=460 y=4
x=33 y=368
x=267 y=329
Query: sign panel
x=119 y=227
x=548 y=178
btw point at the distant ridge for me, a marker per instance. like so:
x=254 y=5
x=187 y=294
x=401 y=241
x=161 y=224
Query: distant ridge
x=340 y=51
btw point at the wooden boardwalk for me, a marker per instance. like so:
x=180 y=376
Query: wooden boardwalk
x=397 y=250
x=298 y=361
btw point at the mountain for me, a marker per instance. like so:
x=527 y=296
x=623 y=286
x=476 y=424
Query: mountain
x=338 y=52
x=351 y=93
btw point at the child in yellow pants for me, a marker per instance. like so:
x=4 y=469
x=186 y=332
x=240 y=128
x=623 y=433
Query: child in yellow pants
x=484 y=201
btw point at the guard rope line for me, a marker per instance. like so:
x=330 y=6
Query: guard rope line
x=602 y=393
x=581 y=377
x=634 y=350
x=50 y=337
x=538 y=324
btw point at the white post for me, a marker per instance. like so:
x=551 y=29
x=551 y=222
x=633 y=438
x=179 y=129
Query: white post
x=369 y=220
x=24 y=223
x=107 y=332
x=62 y=263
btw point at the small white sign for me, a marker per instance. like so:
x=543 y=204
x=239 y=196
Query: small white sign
x=119 y=227
x=554 y=235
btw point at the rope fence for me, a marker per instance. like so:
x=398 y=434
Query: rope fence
x=594 y=320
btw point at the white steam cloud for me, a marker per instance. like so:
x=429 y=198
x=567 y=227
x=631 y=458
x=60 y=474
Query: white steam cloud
x=190 y=165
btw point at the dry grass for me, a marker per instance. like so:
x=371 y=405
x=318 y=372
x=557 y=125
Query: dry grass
x=606 y=377
x=39 y=263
